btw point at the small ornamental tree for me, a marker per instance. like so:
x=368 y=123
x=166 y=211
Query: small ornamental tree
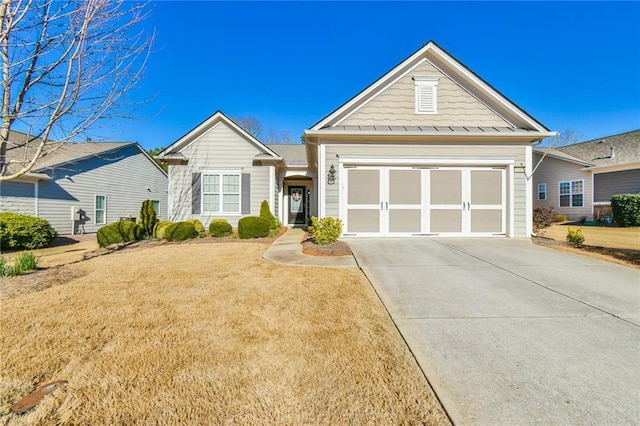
x=148 y=218
x=265 y=212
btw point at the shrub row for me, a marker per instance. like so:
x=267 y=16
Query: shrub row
x=119 y=232
x=20 y=231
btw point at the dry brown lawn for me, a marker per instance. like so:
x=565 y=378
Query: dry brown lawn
x=209 y=334
x=605 y=236
x=613 y=244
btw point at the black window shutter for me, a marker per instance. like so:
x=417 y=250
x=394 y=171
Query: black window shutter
x=246 y=193
x=195 y=193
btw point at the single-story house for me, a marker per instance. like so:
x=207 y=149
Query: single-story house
x=79 y=187
x=429 y=149
x=578 y=180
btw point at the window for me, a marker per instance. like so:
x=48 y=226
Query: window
x=221 y=192
x=100 y=215
x=571 y=193
x=542 y=191
x=426 y=95
x=156 y=206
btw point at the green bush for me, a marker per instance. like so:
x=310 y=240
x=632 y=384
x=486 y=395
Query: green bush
x=543 y=217
x=6 y=270
x=326 y=230
x=626 y=209
x=27 y=261
x=160 y=228
x=560 y=218
x=20 y=231
x=119 y=232
x=180 y=231
x=198 y=225
x=147 y=218
x=220 y=228
x=575 y=237
x=265 y=212
x=253 y=227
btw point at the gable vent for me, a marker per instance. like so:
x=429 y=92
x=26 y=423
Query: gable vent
x=426 y=95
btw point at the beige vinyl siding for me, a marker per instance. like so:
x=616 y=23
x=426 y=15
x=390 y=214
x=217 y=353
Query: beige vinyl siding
x=552 y=171
x=220 y=148
x=609 y=184
x=122 y=176
x=396 y=105
x=475 y=152
x=17 y=197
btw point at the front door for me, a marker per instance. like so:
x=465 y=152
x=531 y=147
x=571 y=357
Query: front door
x=297 y=205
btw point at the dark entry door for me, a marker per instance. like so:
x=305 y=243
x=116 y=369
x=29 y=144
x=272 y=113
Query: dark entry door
x=297 y=205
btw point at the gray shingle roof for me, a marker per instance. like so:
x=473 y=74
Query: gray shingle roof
x=20 y=149
x=626 y=147
x=559 y=154
x=294 y=154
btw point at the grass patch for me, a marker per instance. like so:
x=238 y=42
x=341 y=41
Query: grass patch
x=209 y=334
x=24 y=262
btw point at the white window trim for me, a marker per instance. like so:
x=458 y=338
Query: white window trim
x=571 y=193
x=221 y=200
x=544 y=185
x=95 y=209
x=426 y=81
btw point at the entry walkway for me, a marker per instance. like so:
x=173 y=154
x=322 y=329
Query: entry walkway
x=287 y=250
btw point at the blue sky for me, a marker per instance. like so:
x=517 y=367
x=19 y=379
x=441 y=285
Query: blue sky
x=569 y=64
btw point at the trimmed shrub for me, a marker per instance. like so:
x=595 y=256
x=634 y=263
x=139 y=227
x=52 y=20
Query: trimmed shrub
x=560 y=218
x=180 y=231
x=575 y=237
x=326 y=230
x=160 y=228
x=21 y=231
x=626 y=209
x=119 y=232
x=147 y=218
x=542 y=217
x=220 y=228
x=265 y=212
x=253 y=227
x=198 y=225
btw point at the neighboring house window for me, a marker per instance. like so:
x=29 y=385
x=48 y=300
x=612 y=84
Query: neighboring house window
x=542 y=191
x=100 y=210
x=221 y=192
x=571 y=193
x=426 y=95
x=156 y=206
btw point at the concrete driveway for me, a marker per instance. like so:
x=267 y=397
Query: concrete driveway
x=511 y=333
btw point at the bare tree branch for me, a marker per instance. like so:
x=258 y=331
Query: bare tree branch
x=65 y=65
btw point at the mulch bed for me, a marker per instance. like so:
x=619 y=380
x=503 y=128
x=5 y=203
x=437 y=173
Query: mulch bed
x=627 y=256
x=339 y=248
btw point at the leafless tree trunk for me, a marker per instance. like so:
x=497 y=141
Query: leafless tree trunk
x=65 y=65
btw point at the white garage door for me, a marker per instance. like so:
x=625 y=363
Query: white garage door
x=404 y=201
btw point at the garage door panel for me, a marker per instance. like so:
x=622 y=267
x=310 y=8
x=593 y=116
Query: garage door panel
x=405 y=187
x=364 y=187
x=407 y=221
x=486 y=187
x=486 y=221
x=363 y=221
x=446 y=187
x=446 y=221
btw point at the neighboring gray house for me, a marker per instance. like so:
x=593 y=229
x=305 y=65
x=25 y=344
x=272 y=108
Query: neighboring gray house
x=579 y=180
x=83 y=186
x=429 y=149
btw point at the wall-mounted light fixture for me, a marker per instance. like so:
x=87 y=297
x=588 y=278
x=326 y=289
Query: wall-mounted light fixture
x=331 y=176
